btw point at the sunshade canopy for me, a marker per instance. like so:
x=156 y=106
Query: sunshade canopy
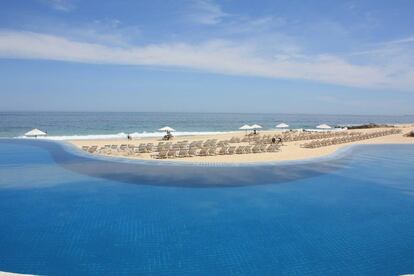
x=282 y=125
x=35 y=132
x=323 y=126
x=245 y=127
x=166 y=128
x=256 y=126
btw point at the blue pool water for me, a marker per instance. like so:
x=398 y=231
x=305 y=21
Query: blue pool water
x=63 y=213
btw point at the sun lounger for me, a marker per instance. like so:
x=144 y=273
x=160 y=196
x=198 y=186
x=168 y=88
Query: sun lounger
x=161 y=155
x=240 y=150
x=172 y=154
x=256 y=149
x=223 y=150
x=183 y=153
x=203 y=152
x=231 y=150
x=247 y=149
x=211 y=151
x=192 y=151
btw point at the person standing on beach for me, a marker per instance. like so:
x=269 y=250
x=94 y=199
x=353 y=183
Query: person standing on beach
x=279 y=141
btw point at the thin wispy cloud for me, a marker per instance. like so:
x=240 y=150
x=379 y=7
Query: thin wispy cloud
x=398 y=54
x=405 y=40
x=269 y=46
x=205 y=12
x=217 y=56
x=60 y=5
x=107 y=31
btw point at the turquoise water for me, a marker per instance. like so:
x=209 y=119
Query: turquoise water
x=63 y=213
x=13 y=124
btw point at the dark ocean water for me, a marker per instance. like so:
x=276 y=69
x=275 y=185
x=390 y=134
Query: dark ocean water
x=13 y=124
x=66 y=213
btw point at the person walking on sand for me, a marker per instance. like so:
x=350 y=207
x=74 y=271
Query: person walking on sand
x=273 y=140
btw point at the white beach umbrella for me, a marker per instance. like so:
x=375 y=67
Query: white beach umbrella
x=282 y=125
x=166 y=128
x=255 y=126
x=323 y=126
x=35 y=133
x=245 y=127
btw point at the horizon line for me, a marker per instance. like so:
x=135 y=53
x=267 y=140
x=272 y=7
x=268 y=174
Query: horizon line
x=203 y=112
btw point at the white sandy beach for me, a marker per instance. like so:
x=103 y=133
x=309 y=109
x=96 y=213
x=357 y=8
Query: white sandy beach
x=288 y=152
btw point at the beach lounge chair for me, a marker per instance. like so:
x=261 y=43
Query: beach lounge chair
x=240 y=150
x=192 y=151
x=212 y=151
x=183 y=153
x=172 y=153
x=223 y=150
x=231 y=150
x=150 y=147
x=161 y=155
x=203 y=152
x=256 y=149
x=92 y=149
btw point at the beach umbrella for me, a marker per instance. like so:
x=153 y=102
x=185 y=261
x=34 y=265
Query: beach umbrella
x=282 y=125
x=167 y=129
x=35 y=133
x=323 y=126
x=245 y=127
x=255 y=127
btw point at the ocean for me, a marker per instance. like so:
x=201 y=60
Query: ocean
x=92 y=125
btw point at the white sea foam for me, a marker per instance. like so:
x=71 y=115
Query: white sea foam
x=123 y=135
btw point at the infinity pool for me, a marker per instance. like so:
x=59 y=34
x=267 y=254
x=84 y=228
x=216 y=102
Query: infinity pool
x=65 y=213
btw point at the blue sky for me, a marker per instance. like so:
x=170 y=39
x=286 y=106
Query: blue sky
x=351 y=57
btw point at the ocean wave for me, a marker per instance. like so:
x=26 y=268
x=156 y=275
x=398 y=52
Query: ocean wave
x=123 y=135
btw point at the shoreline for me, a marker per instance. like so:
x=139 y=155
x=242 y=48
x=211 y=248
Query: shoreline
x=289 y=152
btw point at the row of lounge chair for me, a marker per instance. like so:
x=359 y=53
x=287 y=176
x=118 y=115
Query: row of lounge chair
x=182 y=145
x=212 y=151
x=257 y=144
x=291 y=136
x=109 y=149
x=180 y=150
x=349 y=139
x=301 y=136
